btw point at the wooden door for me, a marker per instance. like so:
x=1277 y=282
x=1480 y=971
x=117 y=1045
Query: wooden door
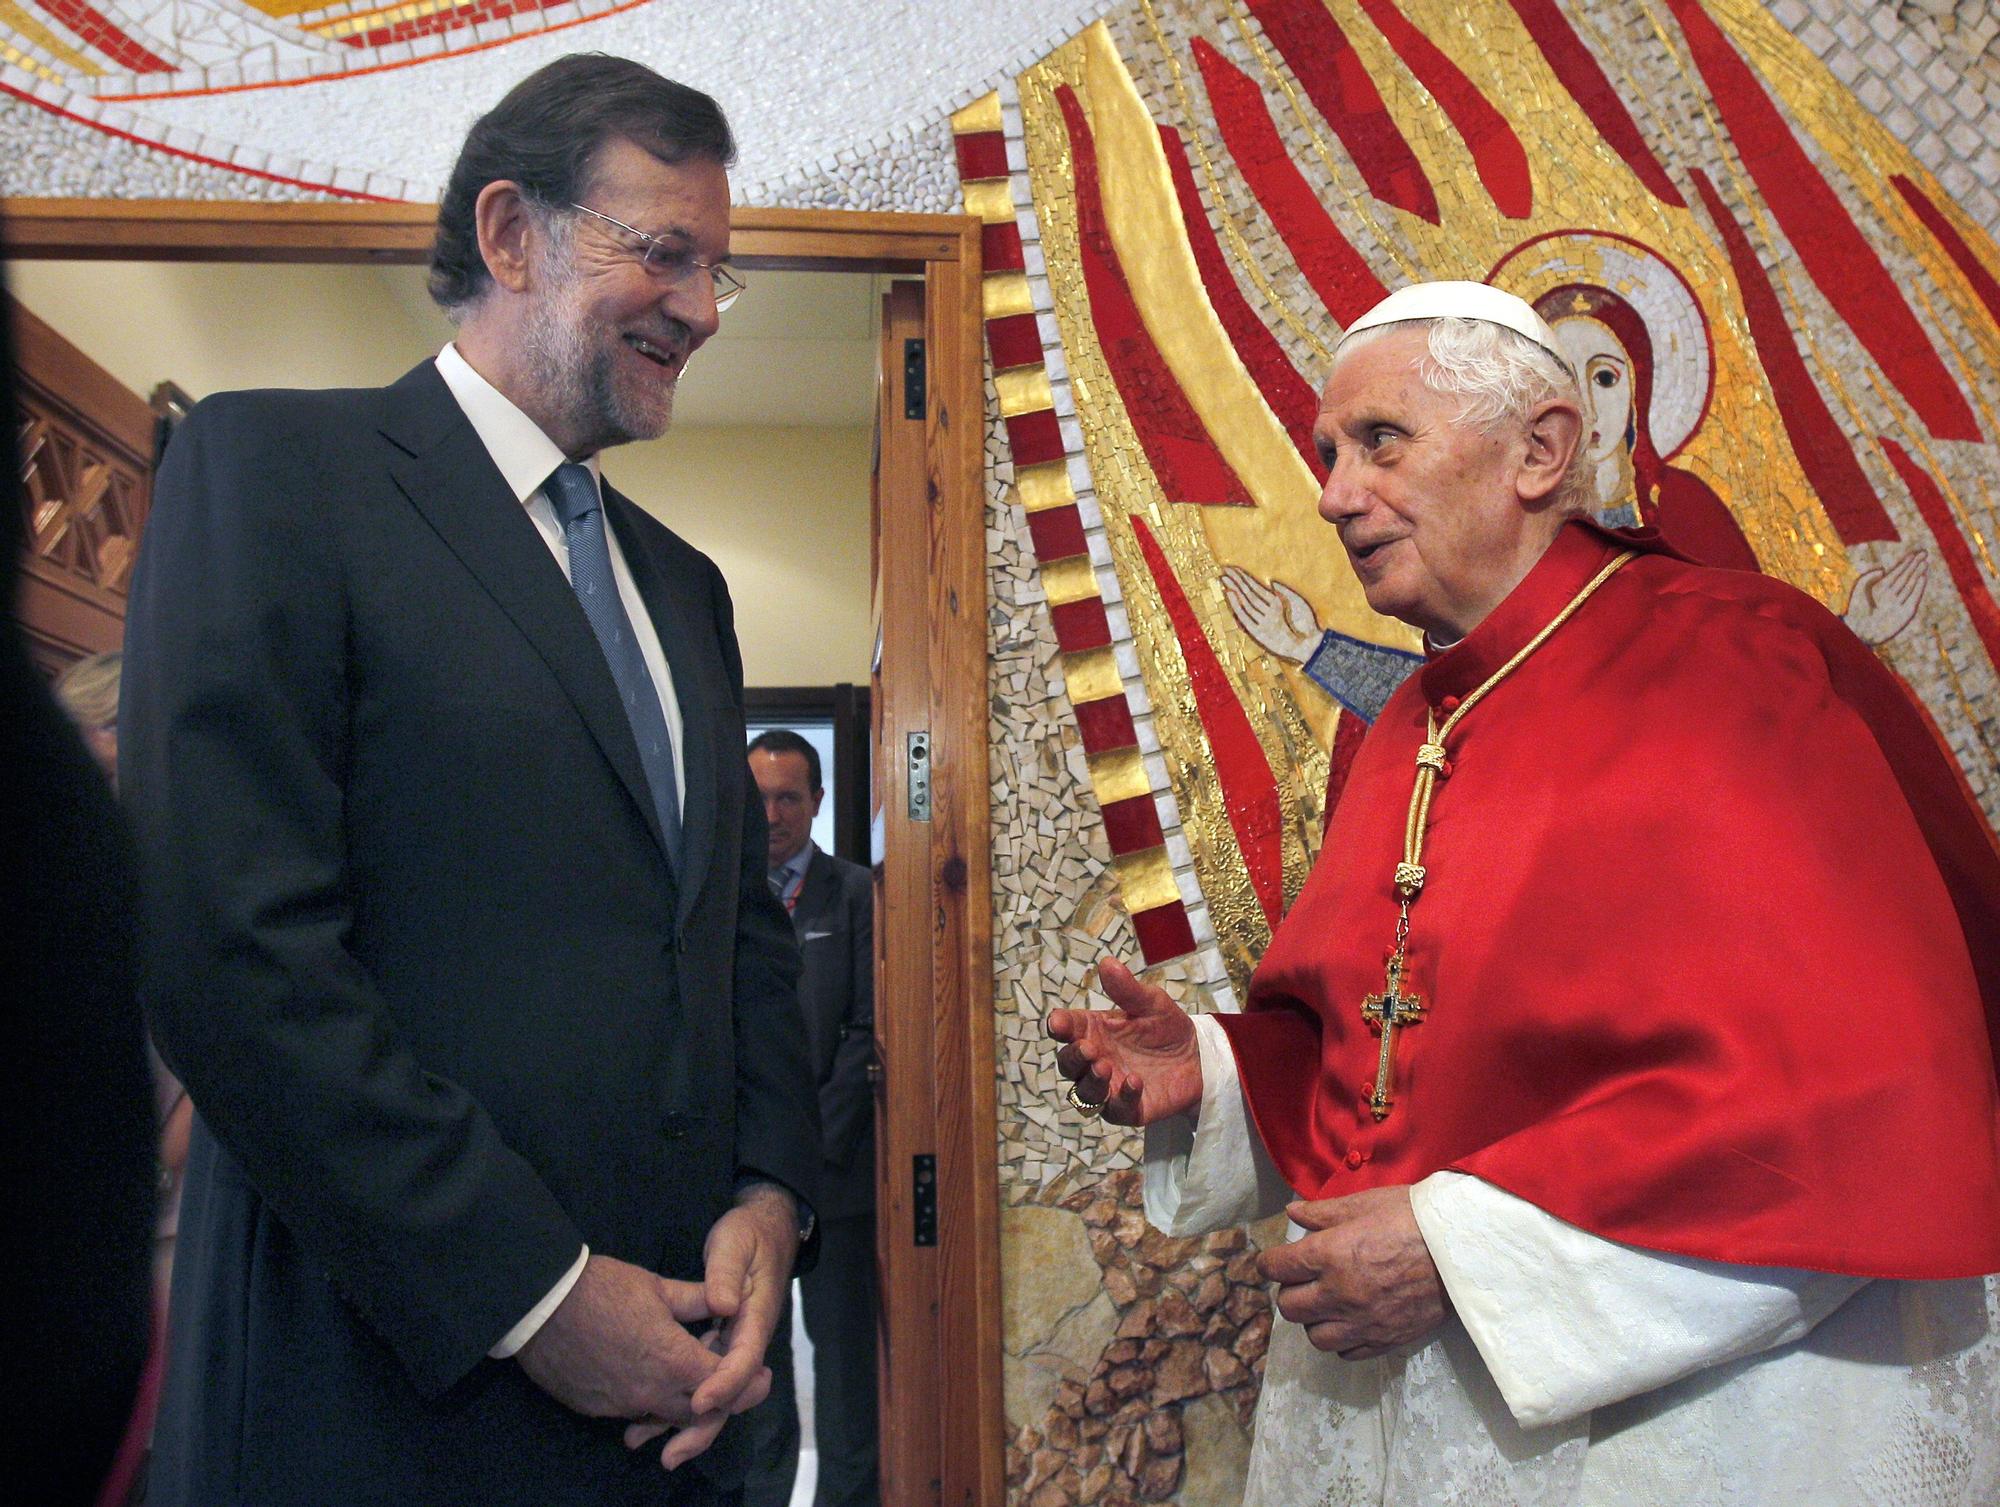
x=86 y=447
x=937 y=1198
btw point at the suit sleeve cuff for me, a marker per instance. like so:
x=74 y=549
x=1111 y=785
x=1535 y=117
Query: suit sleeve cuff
x=531 y=1323
x=808 y=1217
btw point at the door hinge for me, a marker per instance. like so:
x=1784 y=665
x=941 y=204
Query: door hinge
x=913 y=379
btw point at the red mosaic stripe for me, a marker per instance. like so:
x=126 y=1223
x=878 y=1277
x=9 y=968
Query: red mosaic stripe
x=1348 y=731
x=1249 y=789
x=1947 y=236
x=1163 y=932
x=1081 y=625
x=1338 y=273
x=446 y=20
x=1035 y=437
x=1824 y=455
x=94 y=27
x=1058 y=533
x=465 y=49
x=1001 y=249
x=1106 y=725
x=1132 y=825
x=1972 y=588
x=1836 y=255
x=1177 y=445
x=1014 y=341
x=1497 y=154
x=1577 y=70
x=1337 y=82
x=981 y=154
x=1288 y=395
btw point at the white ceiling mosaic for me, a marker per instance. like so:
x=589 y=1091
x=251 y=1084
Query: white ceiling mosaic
x=368 y=99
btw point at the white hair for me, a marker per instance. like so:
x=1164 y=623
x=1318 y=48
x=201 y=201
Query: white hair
x=1499 y=377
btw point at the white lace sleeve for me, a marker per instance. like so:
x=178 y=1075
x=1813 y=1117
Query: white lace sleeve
x=1567 y=1322
x=1211 y=1172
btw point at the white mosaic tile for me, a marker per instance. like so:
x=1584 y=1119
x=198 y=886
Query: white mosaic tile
x=810 y=119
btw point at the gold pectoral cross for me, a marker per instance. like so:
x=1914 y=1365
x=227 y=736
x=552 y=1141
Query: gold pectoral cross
x=1389 y=1010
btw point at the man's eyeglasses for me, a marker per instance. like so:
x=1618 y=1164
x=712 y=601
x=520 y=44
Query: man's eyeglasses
x=674 y=264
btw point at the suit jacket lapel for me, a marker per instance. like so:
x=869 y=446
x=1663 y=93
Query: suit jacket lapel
x=440 y=465
x=682 y=632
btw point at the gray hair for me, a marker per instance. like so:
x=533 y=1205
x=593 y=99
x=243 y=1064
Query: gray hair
x=1499 y=378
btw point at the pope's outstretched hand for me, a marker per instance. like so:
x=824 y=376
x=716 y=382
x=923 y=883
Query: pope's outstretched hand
x=1139 y=1061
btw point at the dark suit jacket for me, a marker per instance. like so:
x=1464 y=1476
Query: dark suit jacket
x=414 y=947
x=834 y=918
x=78 y=1116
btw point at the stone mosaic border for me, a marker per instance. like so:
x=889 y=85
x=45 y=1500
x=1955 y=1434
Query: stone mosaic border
x=1127 y=771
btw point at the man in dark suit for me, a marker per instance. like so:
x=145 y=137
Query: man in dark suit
x=458 y=926
x=832 y=906
x=77 y=1123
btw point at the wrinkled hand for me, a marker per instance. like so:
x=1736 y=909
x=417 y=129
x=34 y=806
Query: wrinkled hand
x=1139 y=1061
x=1885 y=599
x=618 y=1345
x=747 y=1266
x=1361 y=1280
x=1279 y=618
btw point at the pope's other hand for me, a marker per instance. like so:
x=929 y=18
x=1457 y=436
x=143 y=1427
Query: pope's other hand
x=1361 y=1280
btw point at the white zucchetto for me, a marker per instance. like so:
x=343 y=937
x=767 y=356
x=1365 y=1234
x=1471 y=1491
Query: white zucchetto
x=1458 y=300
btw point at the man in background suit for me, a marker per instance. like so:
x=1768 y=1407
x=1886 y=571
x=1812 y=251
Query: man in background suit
x=832 y=906
x=458 y=927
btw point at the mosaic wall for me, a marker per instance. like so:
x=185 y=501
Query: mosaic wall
x=1183 y=205
x=1132 y=1360
x=126 y=98
x=369 y=100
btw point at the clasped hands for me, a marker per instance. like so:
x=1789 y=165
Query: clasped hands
x=624 y=1342
x=1360 y=1280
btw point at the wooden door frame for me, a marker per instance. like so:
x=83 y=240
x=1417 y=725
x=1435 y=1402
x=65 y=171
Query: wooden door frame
x=934 y=680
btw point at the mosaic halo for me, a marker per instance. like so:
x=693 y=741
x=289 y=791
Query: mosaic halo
x=1683 y=361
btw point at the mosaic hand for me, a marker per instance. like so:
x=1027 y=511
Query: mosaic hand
x=1278 y=617
x=1885 y=599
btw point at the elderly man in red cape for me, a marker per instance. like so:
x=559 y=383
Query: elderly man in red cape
x=1626 y=1066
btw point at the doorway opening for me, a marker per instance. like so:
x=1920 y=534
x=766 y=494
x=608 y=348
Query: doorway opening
x=937 y=1201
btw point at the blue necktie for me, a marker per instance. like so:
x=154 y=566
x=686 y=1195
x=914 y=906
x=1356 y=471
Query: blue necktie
x=573 y=492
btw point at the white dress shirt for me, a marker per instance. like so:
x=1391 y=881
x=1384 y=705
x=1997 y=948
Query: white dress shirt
x=526 y=458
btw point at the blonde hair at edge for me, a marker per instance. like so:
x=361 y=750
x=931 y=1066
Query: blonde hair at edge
x=88 y=690
x=1499 y=378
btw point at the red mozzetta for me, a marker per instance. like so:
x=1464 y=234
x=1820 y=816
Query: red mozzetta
x=1694 y=939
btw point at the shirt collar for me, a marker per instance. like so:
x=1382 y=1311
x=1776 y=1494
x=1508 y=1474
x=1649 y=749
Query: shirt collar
x=794 y=868
x=523 y=453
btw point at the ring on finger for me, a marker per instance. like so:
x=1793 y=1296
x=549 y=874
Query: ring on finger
x=1082 y=1105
